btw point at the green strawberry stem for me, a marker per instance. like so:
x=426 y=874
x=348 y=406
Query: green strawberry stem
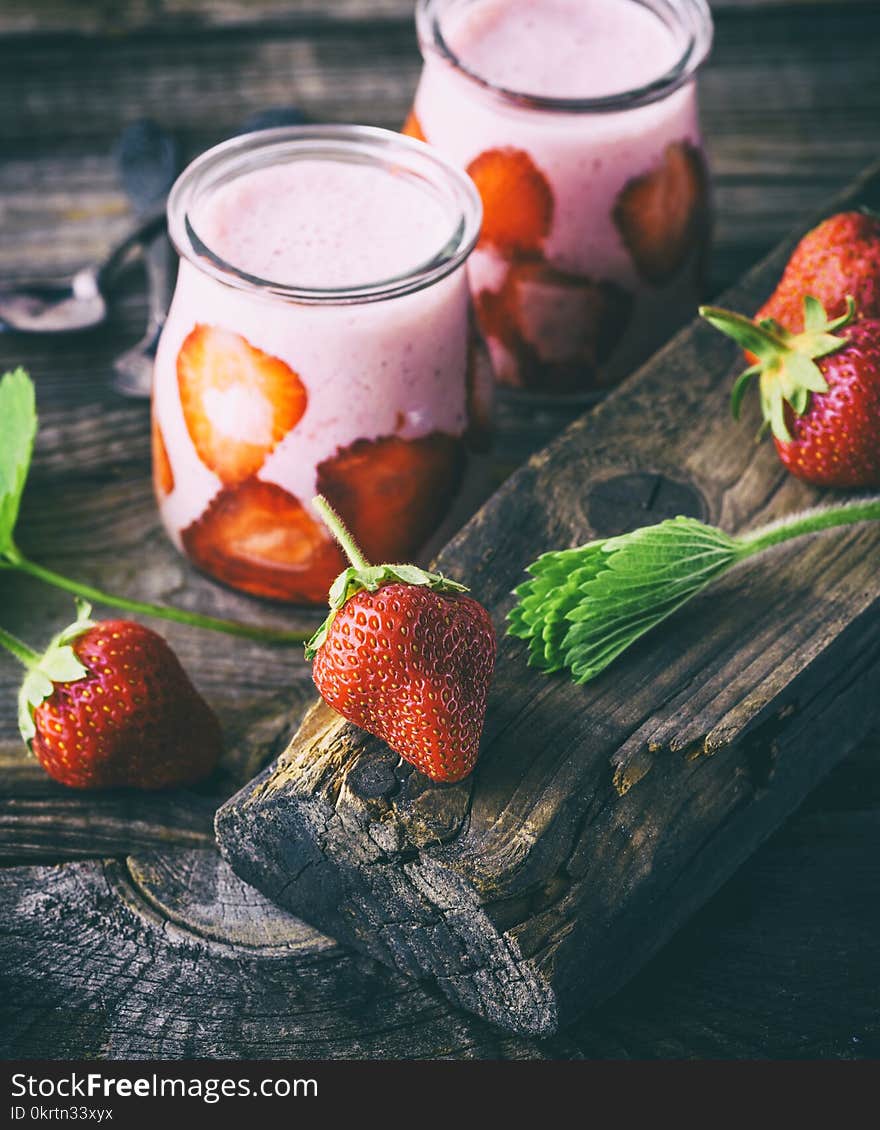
x=14 y=559
x=809 y=522
x=24 y=654
x=340 y=531
x=787 y=366
x=360 y=576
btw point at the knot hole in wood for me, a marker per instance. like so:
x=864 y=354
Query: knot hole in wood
x=639 y=498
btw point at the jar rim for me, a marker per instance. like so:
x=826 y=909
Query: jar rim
x=693 y=16
x=357 y=144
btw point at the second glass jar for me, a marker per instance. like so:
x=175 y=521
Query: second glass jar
x=577 y=120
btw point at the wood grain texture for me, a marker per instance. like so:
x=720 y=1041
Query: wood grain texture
x=170 y=17
x=599 y=817
x=168 y=955
x=96 y=963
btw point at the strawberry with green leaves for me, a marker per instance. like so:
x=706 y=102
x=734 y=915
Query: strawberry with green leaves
x=108 y=705
x=838 y=258
x=820 y=390
x=406 y=655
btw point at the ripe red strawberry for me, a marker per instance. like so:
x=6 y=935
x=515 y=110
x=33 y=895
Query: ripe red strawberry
x=839 y=258
x=108 y=705
x=820 y=393
x=407 y=656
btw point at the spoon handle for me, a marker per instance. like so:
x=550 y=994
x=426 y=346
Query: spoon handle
x=141 y=232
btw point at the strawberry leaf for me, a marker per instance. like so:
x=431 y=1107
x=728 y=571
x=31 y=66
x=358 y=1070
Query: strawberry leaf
x=585 y=606
x=35 y=688
x=739 y=389
x=814 y=315
x=18 y=428
x=62 y=666
x=635 y=581
x=370 y=578
x=57 y=664
x=787 y=362
x=545 y=601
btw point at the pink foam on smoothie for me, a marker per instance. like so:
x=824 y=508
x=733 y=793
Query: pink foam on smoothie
x=324 y=224
x=561 y=48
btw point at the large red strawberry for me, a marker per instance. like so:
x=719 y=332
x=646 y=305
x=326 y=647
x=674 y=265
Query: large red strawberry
x=108 y=705
x=839 y=258
x=408 y=656
x=820 y=392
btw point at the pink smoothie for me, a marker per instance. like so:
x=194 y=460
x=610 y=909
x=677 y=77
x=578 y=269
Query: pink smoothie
x=324 y=224
x=251 y=385
x=577 y=268
x=561 y=48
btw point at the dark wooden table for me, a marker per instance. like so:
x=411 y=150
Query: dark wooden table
x=122 y=934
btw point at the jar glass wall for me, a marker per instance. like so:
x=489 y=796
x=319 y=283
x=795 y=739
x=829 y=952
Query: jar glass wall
x=318 y=342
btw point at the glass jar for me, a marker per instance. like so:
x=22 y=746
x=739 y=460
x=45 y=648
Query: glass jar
x=596 y=198
x=318 y=342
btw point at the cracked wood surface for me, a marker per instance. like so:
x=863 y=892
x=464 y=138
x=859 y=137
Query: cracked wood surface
x=599 y=817
x=781 y=962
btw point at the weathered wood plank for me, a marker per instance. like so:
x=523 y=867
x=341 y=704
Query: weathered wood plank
x=171 y=957
x=781 y=963
x=778 y=991
x=59 y=826
x=167 y=17
x=170 y=17
x=599 y=817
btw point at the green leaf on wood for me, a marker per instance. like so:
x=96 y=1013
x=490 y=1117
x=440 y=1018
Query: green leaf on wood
x=583 y=607
x=18 y=428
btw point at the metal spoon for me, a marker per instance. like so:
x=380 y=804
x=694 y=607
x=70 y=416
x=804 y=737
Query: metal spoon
x=148 y=161
x=76 y=302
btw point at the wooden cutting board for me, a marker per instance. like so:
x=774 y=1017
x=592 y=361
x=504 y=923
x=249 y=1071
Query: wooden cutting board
x=600 y=817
